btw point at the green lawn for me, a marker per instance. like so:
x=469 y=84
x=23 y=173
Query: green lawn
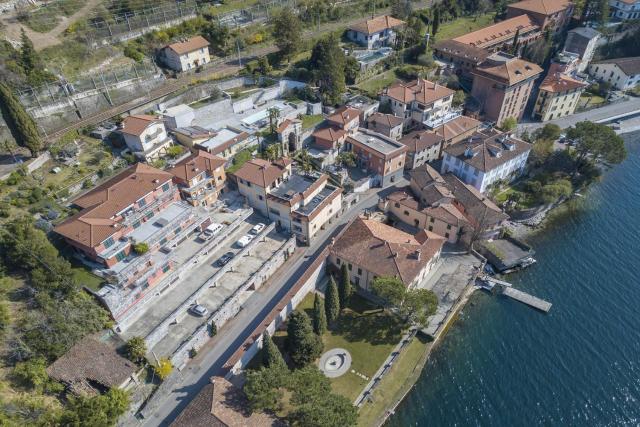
x=311 y=121
x=393 y=385
x=525 y=199
x=588 y=100
x=464 y=25
x=87 y=278
x=368 y=333
x=241 y=158
x=374 y=85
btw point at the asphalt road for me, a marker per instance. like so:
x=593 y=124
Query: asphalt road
x=212 y=357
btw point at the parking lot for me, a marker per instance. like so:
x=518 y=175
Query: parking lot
x=243 y=268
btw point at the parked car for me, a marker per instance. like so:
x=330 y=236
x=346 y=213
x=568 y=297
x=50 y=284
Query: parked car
x=211 y=230
x=224 y=259
x=198 y=310
x=257 y=228
x=245 y=240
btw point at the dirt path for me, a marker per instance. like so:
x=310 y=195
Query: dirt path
x=12 y=27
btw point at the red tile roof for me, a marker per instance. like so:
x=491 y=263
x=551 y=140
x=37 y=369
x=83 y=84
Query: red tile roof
x=376 y=25
x=136 y=124
x=500 y=32
x=194 y=43
x=344 y=115
x=545 y=7
x=262 y=172
x=419 y=140
x=418 y=90
x=195 y=164
x=385 y=250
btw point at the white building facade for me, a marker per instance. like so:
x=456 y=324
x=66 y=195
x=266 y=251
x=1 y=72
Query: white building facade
x=624 y=10
x=621 y=73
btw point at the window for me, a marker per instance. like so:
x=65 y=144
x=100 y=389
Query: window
x=136 y=224
x=165 y=187
x=275 y=212
x=359 y=272
x=446 y=235
x=166 y=268
x=397 y=205
x=406 y=213
x=148 y=215
x=260 y=197
x=177 y=230
x=432 y=220
x=120 y=256
x=109 y=242
x=142 y=203
x=448 y=226
x=350 y=267
x=338 y=261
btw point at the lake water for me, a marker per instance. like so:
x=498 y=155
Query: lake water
x=505 y=364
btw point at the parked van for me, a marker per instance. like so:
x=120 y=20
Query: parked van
x=211 y=230
x=245 y=240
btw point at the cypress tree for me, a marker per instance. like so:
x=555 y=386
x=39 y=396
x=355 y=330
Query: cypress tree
x=319 y=316
x=332 y=301
x=28 y=56
x=20 y=123
x=436 y=21
x=304 y=346
x=345 y=287
x=271 y=356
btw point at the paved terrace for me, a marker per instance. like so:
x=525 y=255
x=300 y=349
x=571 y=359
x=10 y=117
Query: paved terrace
x=377 y=142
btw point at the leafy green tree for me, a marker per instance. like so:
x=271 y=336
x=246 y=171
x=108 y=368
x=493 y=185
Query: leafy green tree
x=271 y=356
x=32 y=373
x=345 y=286
x=213 y=329
x=401 y=9
x=413 y=305
x=287 y=32
x=347 y=159
x=262 y=388
x=351 y=70
x=596 y=142
x=141 y=248
x=304 y=346
x=319 y=316
x=332 y=301
x=28 y=56
x=97 y=411
x=136 y=349
x=541 y=151
x=509 y=124
x=263 y=65
x=220 y=38
x=175 y=151
x=22 y=126
x=328 y=61
x=459 y=98
x=549 y=131
x=310 y=385
x=551 y=192
x=331 y=411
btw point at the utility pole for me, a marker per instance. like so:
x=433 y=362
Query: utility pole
x=239 y=58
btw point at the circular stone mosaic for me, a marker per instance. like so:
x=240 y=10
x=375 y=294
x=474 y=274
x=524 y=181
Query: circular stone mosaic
x=335 y=362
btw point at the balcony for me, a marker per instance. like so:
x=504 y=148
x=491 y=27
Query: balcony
x=134 y=215
x=445 y=118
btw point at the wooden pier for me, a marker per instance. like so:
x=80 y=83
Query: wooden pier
x=525 y=298
x=505 y=288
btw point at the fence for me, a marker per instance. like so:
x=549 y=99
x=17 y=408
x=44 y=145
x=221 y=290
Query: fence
x=232 y=306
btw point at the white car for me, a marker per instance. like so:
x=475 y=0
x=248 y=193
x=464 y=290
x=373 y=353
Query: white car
x=198 y=310
x=245 y=240
x=257 y=228
x=211 y=230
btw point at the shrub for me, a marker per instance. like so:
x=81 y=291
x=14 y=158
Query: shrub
x=141 y=248
x=163 y=368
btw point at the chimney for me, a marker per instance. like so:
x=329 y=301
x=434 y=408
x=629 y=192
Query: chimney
x=395 y=254
x=333 y=241
x=418 y=253
x=213 y=395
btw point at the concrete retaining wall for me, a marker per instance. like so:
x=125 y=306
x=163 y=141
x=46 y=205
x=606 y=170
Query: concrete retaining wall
x=232 y=306
x=307 y=283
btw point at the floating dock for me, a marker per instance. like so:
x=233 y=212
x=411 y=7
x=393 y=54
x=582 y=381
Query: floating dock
x=505 y=288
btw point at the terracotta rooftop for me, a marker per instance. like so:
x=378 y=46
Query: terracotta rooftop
x=462 y=50
x=507 y=68
x=630 y=66
x=545 y=7
x=558 y=82
x=329 y=133
x=285 y=124
x=94 y=223
x=475 y=206
x=486 y=153
x=376 y=25
x=195 y=164
x=89 y=362
x=385 y=250
x=500 y=32
x=380 y=119
x=456 y=127
x=419 y=90
x=136 y=124
x=444 y=211
x=262 y=172
x=194 y=43
x=221 y=404
x=419 y=140
x=344 y=115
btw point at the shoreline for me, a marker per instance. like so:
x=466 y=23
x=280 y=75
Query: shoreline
x=411 y=381
x=520 y=231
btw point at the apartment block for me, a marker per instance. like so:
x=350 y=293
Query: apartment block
x=486 y=158
x=501 y=35
x=381 y=156
x=552 y=14
x=422 y=146
x=502 y=85
x=621 y=73
x=200 y=178
x=420 y=102
x=386 y=124
x=624 y=10
x=558 y=95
